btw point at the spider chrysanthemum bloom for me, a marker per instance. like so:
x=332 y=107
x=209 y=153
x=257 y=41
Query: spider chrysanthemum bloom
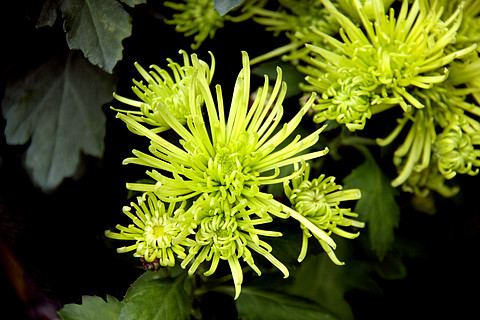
x=231 y=158
x=165 y=89
x=228 y=232
x=160 y=233
x=318 y=201
x=195 y=17
x=392 y=53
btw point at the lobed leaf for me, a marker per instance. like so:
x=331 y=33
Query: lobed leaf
x=59 y=107
x=91 y=308
x=97 y=28
x=151 y=297
x=377 y=207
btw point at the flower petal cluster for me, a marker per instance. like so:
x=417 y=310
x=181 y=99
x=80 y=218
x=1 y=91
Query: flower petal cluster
x=443 y=135
x=218 y=170
x=391 y=53
x=318 y=201
x=199 y=18
x=227 y=232
x=165 y=89
x=160 y=232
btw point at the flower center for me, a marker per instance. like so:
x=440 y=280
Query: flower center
x=227 y=164
x=158 y=231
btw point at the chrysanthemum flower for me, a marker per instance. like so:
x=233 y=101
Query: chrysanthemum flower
x=318 y=201
x=344 y=99
x=230 y=158
x=195 y=17
x=159 y=233
x=227 y=232
x=392 y=55
x=455 y=150
x=164 y=89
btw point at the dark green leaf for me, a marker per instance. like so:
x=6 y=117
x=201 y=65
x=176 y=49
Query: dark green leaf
x=48 y=15
x=58 y=106
x=290 y=74
x=224 y=6
x=152 y=297
x=377 y=207
x=133 y=3
x=257 y=304
x=91 y=308
x=326 y=283
x=97 y=27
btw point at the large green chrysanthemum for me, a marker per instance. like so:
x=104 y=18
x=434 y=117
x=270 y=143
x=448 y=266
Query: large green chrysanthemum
x=228 y=160
x=387 y=57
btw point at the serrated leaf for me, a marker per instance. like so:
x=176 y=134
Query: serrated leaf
x=133 y=3
x=224 y=6
x=290 y=74
x=59 y=107
x=97 y=28
x=377 y=207
x=257 y=304
x=151 y=297
x=91 y=308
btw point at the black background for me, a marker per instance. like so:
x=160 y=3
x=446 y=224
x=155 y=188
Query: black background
x=58 y=238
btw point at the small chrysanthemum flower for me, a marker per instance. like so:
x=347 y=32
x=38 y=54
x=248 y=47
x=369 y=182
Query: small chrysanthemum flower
x=199 y=18
x=164 y=89
x=455 y=151
x=294 y=18
x=195 y=17
x=159 y=233
x=318 y=200
x=392 y=54
x=344 y=99
x=227 y=232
